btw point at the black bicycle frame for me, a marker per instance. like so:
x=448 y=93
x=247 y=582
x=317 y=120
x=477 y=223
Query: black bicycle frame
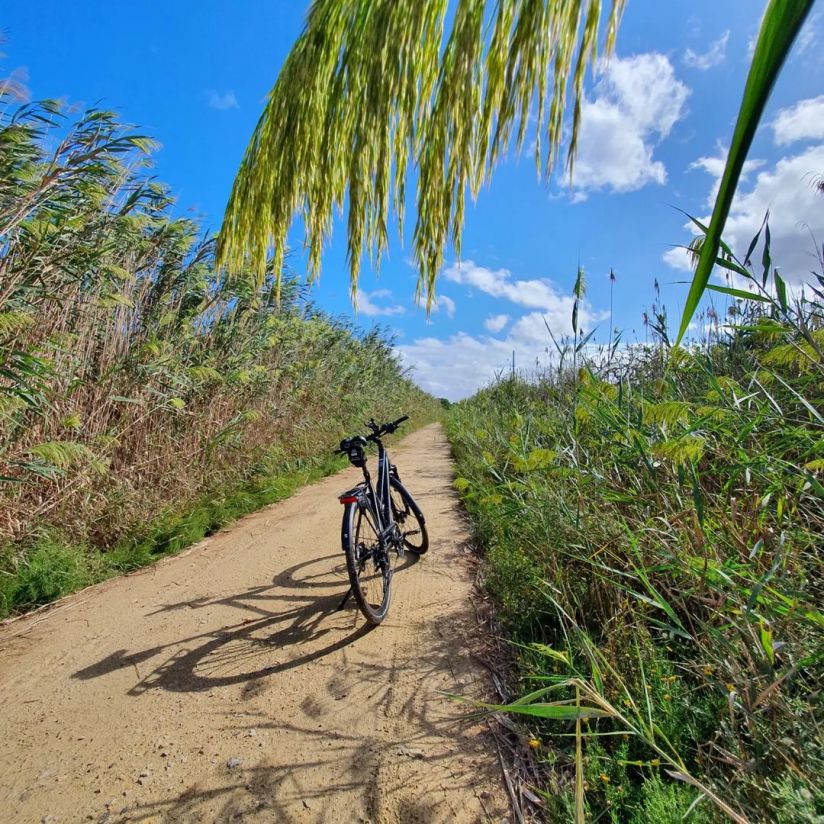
x=379 y=499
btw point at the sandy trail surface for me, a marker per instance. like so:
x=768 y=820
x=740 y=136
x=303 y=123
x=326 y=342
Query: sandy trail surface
x=224 y=685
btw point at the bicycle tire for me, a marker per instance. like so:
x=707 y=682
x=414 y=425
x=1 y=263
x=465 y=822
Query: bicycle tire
x=415 y=540
x=370 y=568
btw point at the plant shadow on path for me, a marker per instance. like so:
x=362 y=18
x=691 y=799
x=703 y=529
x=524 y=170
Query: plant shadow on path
x=274 y=792
x=291 y=615
x=286 y=619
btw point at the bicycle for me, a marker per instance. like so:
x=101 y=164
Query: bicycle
x=377 y=522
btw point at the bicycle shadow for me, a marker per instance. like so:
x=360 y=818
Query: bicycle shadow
x=289 y=620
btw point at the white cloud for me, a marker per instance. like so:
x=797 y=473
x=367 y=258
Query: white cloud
x=714 y=166
x=446 y=303
x=458 y=366
x=221 y=101
x=803 y=121
x=678 y=258
x=537 y=293
x=495 y=323
x=637 y=102
x=796 y=212
x=809 y=33
x=713 y=56
x=365 y=302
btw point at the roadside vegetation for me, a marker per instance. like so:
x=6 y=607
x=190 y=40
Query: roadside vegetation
x=652 y=520
x=651 y=515
x=146 y=399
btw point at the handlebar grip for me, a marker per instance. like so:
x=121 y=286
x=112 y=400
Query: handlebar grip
x=400 y=420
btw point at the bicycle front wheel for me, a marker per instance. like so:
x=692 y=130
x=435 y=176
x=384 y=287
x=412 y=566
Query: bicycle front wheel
x=370 y=570
x=409 y=518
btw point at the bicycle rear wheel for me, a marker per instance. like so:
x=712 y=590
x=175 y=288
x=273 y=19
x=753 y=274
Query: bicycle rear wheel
x=409 y=518
x=368 y=563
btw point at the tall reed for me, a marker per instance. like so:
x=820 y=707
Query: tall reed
x=653 y=527
x=137 y=380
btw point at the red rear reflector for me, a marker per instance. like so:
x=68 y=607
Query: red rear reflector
x=348 y=499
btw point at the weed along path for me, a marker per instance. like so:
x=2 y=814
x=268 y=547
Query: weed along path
x=224 y=685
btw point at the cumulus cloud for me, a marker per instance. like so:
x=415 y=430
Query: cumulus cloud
x=221 y=101
x=366 y=305
x=637 y=102
x=536 y=293
x=458 y=366
x=713 y=56
x=803 y=121
x=796 y=212
x=678 y=258
x=446 y=303
x=495 y=323
x=714 y=166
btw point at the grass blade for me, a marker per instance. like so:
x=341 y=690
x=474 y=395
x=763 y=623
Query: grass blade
x=781 y=23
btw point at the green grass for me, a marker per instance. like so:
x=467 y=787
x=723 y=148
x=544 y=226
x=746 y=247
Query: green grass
x=652 y=531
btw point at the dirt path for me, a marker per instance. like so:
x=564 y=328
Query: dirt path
x=222 y=685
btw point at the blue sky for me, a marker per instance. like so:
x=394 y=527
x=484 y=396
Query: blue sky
x=655 y=127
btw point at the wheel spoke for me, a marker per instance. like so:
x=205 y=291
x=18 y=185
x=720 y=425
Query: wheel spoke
x=373 y=573
x=406 y=514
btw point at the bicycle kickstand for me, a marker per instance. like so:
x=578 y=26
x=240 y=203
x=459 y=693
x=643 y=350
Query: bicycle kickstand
x=346 y=597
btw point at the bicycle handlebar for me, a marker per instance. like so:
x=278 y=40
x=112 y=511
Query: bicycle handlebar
x=377 y=431
x=391 y=427
x=387 y=428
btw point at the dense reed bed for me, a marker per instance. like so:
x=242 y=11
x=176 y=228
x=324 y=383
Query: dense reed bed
x=146 y=398
x=652 y=522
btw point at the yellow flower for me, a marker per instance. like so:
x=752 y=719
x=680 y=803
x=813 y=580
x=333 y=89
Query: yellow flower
x=730 y=687
x=534 y=743
x=708 y=670
x=605 y=778
x=655 y=762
